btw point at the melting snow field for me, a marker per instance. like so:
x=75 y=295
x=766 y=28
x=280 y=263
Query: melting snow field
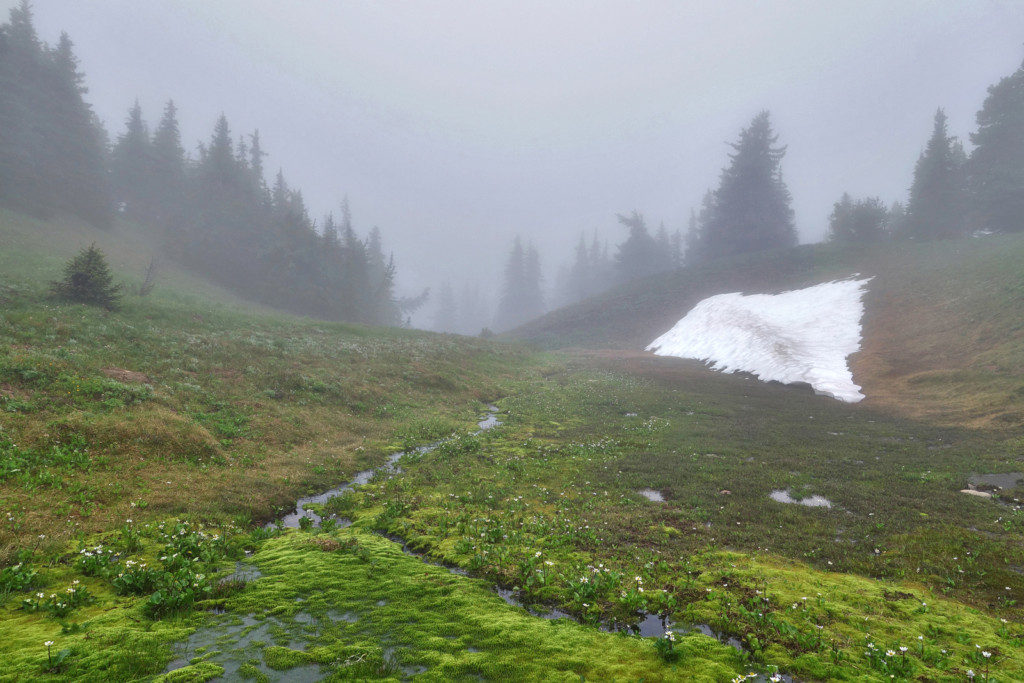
x=799 y=336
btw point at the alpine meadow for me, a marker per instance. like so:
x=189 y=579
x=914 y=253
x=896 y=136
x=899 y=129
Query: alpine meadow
x=511 y=341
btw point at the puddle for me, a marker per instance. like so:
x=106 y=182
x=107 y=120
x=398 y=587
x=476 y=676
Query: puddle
x=652 y=495
x=1005 y=480
x=291 y=520
x=782 y=496
x=243 y=572
x=234 y=641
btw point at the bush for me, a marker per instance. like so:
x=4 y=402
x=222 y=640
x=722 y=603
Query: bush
x=87 y=280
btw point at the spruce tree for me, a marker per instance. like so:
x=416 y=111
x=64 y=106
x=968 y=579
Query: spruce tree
x=996 y=167
x=87 y=280
x=862 y=221
x=640 y=254
x=937 y=202
x=131 y=166
x=750 y=210
x=510 y=305
x=167 y=169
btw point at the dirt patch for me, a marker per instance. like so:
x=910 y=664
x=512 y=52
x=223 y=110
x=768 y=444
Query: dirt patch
x=127 y=376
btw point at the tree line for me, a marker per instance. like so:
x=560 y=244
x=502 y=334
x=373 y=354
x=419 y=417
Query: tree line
x=953 y=194
x=214 y=213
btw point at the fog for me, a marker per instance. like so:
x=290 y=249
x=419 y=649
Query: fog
x=454 y=126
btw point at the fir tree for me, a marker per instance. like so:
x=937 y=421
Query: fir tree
x=862 y=221
x=641 y=255
x=87 y=280
x=937 y=202
x=750 y=210
x=167 y=169
x=996 y=167
x=131 y=166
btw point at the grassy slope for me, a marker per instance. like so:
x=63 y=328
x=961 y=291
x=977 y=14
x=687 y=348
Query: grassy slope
x=943 y=333
x=245 y=408
x=241 y=408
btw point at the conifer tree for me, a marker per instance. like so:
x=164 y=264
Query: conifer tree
x=996 y=167
x=641 y=255
x=533 y=285
x=87 y=280
x=937 y=202
x=167 y=168
x=131 y=166
x=862 y=221
x=750 y=210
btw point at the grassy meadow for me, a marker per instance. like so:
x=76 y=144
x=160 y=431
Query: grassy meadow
x=142 y=452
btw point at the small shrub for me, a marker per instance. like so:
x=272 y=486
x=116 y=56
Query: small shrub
x=87 y=280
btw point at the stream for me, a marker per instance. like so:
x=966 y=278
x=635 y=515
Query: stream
x=648 y=625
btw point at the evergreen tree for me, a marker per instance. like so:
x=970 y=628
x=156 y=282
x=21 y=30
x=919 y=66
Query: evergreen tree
x=533 y=285
x=79 y=169
x=677 y=250
x=578 y=279
x=896 y=220
x=996 y=168
x=861 y=222
x=167 y=169
x=52 y=147
x=641 y=255
x=937 y=202
x=750 y=210
x=131 y=166
x=87 y=280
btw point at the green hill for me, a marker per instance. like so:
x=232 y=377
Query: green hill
x=943 y=329
x=142 y=450
x=191 y=377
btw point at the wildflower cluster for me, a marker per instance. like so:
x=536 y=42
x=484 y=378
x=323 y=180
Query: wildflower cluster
x=96 y=561
x=59 y=604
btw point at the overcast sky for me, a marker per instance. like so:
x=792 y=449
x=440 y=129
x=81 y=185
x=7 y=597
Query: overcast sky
x=455 y=125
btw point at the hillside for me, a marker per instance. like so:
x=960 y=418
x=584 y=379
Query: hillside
x=627 y=517
x=192 y=388
x=943 y=329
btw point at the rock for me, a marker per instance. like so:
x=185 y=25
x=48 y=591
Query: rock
x=979 y=494
x=126 y=375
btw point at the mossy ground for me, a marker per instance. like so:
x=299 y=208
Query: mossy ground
x=241 y=410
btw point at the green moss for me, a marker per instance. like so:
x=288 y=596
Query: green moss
x=195 y=673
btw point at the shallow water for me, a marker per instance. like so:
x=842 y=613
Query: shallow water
x=1004 y=480
x=291 y=520
x=782 y=496
x=652 y=495
x=234 y=641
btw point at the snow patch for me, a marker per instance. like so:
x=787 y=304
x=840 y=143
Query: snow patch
x=800 y=336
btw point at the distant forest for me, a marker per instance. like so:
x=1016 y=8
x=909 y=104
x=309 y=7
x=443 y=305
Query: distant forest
x=952 y=194
x=214 y=213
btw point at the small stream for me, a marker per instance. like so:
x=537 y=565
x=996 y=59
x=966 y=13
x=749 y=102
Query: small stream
x=647 y=625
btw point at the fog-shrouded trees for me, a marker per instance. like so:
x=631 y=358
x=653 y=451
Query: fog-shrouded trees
x=52 y=146
x=214 y=213
x=996 y=166
x=750 y=210
x=640 y=254
x=858 y=222
x=522 y=295
x=938 y=196
x=590 y=272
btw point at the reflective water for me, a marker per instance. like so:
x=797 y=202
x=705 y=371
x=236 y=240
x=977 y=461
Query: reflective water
x=782 y=496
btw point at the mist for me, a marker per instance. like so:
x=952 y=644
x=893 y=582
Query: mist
x=455 y=126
